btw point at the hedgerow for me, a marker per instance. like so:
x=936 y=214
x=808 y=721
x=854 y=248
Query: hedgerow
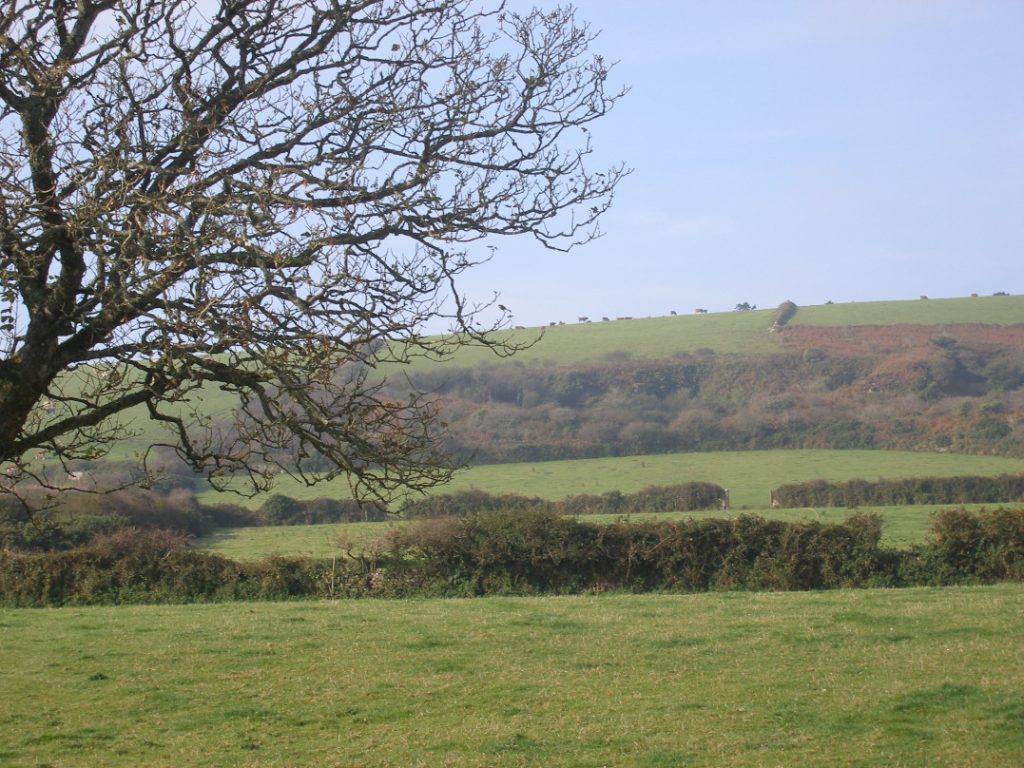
x=966 y=489
x=683 y=497
x=530 y=552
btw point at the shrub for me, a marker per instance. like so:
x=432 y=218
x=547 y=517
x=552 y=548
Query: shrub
x=494 y=553
x=284 y=510
x=986 y=547
x=462 y=503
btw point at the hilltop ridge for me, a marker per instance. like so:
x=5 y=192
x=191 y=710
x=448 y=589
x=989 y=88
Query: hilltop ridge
x=734 y=332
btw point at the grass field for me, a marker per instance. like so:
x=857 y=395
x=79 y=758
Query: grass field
x=727 y=332
x=325 y=540
x=923 y=677
x=640 y=338
x=991 y=310
x=749 y=475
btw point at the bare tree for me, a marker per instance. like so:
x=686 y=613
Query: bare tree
x=270 y=197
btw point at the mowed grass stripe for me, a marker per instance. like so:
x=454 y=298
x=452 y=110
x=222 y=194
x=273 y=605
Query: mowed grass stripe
x=852 y=678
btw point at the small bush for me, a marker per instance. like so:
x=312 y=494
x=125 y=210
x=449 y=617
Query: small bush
x=284 y=510
x=984 y=547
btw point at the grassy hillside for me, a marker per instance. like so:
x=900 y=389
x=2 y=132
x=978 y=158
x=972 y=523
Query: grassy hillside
x=731 y=332
x=654 y=338
x=749 y=475
x=990 y=310
x=640 y=338
x=821 y=327
x=851 y=678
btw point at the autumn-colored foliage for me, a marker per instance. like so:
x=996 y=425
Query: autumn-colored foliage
x=957 y=388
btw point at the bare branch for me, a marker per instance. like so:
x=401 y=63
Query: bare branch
x=264 y=200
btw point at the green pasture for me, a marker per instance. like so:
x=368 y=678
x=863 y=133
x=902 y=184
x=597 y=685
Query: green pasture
x=919 y=677
x=749 y=475
x=990 y=310
x=639 y=338
x=320 y=541
x=721 y=332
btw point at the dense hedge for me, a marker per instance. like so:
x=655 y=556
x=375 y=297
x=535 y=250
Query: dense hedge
x=463 y=503
x=684 y=497
x=915 y=490
x=969 y=547
x=531 y=552
x=284 y=510
x=157 y=567
x=80 y=517
x=542 y=551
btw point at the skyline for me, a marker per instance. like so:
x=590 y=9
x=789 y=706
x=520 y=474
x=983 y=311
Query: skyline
x=855 y=151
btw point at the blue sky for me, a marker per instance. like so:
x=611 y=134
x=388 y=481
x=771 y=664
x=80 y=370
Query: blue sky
x=812 y=151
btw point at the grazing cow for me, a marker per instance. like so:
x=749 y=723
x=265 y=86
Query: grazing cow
x=672 y=312
x=583 y=319
x=923 y=296
x=700 y=311
x=605 y=319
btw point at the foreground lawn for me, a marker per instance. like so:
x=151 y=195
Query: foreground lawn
x=857 y=678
